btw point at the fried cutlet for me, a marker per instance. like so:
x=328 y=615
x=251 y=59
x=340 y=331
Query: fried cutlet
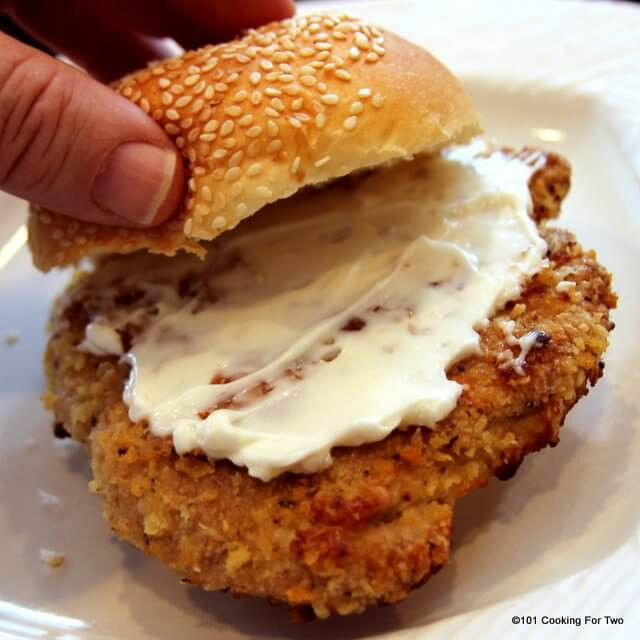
x=377 y=523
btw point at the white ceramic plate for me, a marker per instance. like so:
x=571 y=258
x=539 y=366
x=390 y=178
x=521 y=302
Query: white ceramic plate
x=562 y=538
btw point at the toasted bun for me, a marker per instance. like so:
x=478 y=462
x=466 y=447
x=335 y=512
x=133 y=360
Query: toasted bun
x=291 y=104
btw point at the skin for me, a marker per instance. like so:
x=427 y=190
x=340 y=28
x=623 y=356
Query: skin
x=70 y=144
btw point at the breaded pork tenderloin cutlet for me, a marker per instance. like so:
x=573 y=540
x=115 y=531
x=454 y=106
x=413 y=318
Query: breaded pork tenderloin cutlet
x=377 y=523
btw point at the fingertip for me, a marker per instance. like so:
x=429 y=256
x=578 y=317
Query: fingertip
x=140 y=184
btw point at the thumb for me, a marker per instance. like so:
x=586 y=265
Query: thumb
x=72 y=145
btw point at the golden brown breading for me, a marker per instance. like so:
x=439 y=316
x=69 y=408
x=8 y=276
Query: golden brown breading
x=377 y=523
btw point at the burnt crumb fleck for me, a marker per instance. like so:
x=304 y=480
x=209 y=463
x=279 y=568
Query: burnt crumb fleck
x=435 y=283
x=354 y=324
x=128 y=297
x=185 y=581
x=601 y=365
x=542 y=338
x=365 y=473
x=287 y=504
x=187 y=286
x=59 y=431
x=122 y=451
x=396 y=457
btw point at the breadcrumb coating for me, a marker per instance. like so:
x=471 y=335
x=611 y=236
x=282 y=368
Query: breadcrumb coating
x=378 y=522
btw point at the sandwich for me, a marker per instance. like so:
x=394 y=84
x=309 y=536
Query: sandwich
x=360 y=315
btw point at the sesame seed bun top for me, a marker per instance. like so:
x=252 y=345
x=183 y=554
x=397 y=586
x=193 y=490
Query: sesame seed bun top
x=290 y=104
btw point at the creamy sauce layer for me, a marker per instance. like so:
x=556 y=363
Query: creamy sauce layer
x=331 y=318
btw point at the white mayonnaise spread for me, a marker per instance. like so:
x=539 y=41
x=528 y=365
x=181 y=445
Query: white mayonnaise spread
x=331 y=318
x=101 y=340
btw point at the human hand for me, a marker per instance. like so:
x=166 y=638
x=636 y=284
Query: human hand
x=69 y=143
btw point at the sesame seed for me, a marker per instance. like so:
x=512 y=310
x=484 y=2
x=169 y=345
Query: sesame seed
x=343 y=74
x=272 y=91
x=221 y=87
x=270 y=111
x=254 y=132
x=364 y=93
x=322 y=161
x=232 y=77
x=254 y=148
x=218 y=154
x=274 y=145
x=174 y=64
x=236 y=189
x=219 y=222
x=254 y=169
x=158 y=71
x=267 y=65
x=378 y=100
x=291 y=89
x=317 y=64
x=321 y=120
x=303 y=117
x=322 y=87
x=205 y=116
x=218 y=174
x=273 y=76
x=323 y=55
x=186 y=229
x=242 y=59
x=207 y=137
x=233 y=174
x=184 y=101
x=362 y=42
x=241 y=210
x=354 y=53
x=199 y=171
x=256 y=97
x=171 y=129
x=209 y=92
x=189 y=81
x=219 y=200
x=167 y=98
x=241 y=95
x=307 y=52
x=177 y=89
x=217 y=74
x=205 y=192
x=286 y=77
x=234 y=111
x=338 y=35
x=306 y=70
x=356 y=108
x=264 y=192
x=197 y=105
x=276 y=103
x=212 y=125
x=229 y=143
x=255 y=77
x=127 y=92
x=186 y=123
x=157 y=114
x=164 y=83
x=323 y=46
x=350 y=123
x=172 y=114
x=287 y=68
x=297 y=104
x=180 y=142
x=236 y=158
x=227 y=127
x=295 y=165
x=245 y=121
x=307 y=81
x=191 y=154
x=330 y=66
x=378 y=49
x=330 y=98
x=372 y=57
x=294 y=122
x=194 y=68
